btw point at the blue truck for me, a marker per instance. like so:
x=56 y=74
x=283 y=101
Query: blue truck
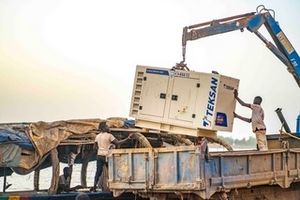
x=192 y=171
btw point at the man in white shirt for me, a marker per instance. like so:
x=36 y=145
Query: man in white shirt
x=257 y=120
x=102 y=144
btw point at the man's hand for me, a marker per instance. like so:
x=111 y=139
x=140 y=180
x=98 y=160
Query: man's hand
x=236 y=94
x=234 y=114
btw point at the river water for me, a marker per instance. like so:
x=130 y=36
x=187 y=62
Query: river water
x=25 y=182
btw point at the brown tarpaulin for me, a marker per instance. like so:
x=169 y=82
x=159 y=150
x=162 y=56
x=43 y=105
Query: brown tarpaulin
x=46 y=136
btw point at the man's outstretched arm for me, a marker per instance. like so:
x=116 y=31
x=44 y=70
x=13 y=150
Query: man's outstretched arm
x=242 y=118
x=236 y=96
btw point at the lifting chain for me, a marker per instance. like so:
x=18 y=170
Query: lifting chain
x=181 y=65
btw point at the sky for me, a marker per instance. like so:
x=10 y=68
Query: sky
x=74 y=59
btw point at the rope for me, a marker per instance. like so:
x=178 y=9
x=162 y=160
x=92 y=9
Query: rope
x=285 y=133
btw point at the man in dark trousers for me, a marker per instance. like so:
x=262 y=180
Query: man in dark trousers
x=102 y=144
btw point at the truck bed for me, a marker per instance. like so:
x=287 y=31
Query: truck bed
x=193 y=169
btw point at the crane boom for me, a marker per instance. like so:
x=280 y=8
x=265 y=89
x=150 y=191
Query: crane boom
x=282 y=48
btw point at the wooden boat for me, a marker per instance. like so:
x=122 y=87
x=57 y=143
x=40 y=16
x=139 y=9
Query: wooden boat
x=31 y=147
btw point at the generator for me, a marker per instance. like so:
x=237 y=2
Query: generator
x=183 y=102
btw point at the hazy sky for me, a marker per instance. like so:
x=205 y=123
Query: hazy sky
x=69 y=59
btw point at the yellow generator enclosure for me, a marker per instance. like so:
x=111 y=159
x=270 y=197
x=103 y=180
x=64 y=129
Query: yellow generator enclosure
x=183 y=102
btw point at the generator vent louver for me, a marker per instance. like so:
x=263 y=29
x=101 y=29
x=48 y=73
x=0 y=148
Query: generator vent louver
x=137 y=93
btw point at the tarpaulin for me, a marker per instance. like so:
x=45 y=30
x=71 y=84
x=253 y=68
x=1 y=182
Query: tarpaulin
x=41 y=137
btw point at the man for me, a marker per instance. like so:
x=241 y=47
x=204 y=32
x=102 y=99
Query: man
x=102 y=144
x=64 y=182
x=257 y=120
